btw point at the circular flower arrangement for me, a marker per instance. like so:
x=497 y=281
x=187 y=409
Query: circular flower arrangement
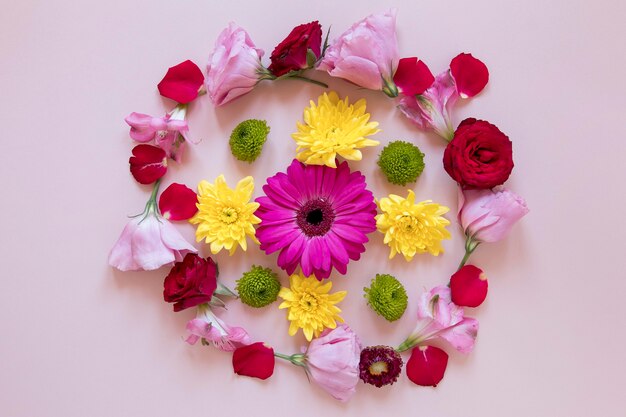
x=318 y=213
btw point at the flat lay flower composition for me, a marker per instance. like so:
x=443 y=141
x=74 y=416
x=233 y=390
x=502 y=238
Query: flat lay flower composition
x=317 y=212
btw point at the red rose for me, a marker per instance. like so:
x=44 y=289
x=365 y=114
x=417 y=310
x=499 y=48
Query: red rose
x=291 y=53
x=190 y=282
x=255 y=360
x=479 y=155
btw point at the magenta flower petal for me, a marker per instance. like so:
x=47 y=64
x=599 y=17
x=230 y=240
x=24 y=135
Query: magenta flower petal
x=413 y=76
x=178 y=202
x=427 y=365
x=148 y=163
x=317 y=217
x=470 y=75
x=182 y=82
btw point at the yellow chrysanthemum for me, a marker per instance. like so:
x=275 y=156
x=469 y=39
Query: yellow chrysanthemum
x=333 y=127
x=411 y=228
x=225 y=216
x=311 y=307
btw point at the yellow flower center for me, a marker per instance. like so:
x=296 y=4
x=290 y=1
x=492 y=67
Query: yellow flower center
x=309 y=302
x=228 y=215
x=408 y=223
x=378 y=368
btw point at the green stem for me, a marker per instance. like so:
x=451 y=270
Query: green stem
x=470 y=247
x=309 y=80
x=297 y=358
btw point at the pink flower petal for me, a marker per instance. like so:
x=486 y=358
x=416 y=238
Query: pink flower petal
x=462 y=336
x=413 y=76
x=470 y=75
x=178 y=202
x=182 y=82
x=142 y=127
x=148 y=163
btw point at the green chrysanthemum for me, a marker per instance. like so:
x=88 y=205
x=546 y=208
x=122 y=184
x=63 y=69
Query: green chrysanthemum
x=401 y=162
x=247 y=139
x=258 y=287
x=387 y=297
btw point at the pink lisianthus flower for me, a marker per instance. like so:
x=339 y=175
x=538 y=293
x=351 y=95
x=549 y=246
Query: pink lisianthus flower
x=366 y=54
x=208 y=327
x=489 y=215
x=169 y=132
x=234 y=65
x=430 y=110
x=332 y=361
x=148 y=242
x=439 y=317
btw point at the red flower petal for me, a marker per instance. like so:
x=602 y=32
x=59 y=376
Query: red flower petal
x=182 y=82
x=427 y=365
x=178 y=202
x=255 y=360
x=413 y=76
x=470 y=75
x=468 y=286
x=148 y=163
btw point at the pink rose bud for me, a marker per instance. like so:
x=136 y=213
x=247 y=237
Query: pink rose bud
x=427 y=365
x=255 y=360
x=468 y=286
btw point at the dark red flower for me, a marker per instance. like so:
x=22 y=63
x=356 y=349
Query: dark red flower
x=427 y=365
x=479 y=155
x=413 y=77
x=291 y=53
x=182 y=82
x=148 y=163
x=380 y=365
x=468 y=286
x=190 y=282
x=255 y=360
x=178 y=202
x=470 y=75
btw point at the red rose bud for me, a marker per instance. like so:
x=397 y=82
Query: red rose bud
x=412 y=76
x=468 y=286
x=255 y=360
x=178 y=202
x=182 y=82
x=292 y=54
x=427 y=365
x=479 y=155
x=470 y=75
x=190 y=282
x=148 y=163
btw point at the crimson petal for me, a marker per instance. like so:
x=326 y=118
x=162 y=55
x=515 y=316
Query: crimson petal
x=427 y=365
x=148 y=163
x=178 y=202
x=413 y=76
x=470 y=75
x=468 y=286
x=182 y=82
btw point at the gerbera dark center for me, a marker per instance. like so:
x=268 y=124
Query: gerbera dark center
x=315 y=217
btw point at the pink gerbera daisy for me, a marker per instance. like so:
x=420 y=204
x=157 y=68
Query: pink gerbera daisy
x=317 y=217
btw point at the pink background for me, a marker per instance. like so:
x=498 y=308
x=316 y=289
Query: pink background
x=80 y=339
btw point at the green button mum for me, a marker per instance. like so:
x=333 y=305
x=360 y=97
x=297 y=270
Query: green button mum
x=248 y=138
x=401 y=162
x=258 y=287
x=387 y=297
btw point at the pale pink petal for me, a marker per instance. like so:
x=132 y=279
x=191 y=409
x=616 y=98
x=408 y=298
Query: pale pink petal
x=462 y=336
x=121 y=255
x=148 y=248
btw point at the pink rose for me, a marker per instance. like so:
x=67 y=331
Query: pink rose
x=489 y=215
x=332 y=361
x=439 y=317
x=366 y=54
x=234 y=65
x=148 y=242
